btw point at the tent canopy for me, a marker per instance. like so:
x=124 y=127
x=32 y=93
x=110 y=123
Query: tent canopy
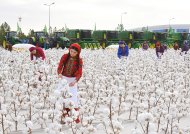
x=22 y=47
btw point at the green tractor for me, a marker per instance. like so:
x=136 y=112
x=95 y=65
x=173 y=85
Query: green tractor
x=140 y=37
x=73 y=35
x=86 y=40
x=173 y=37
x=126 y=36
x=105 y=37
x=112 y=37
x=59 y=40
x=38 y=39
x=101 y=37
x=162 y=37
x=12 y=38
x=83 y=37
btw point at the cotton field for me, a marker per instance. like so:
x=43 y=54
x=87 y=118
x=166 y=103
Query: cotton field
x=138 y=95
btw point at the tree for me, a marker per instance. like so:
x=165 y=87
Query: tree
x=55 y=29
x=120 y=27
x=3 y=29
x=31 y=33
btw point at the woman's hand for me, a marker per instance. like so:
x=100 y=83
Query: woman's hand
x=60 y=76
x=72 y=83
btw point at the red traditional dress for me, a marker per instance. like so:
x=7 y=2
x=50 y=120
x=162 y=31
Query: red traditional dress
x=71 y=69
x=39 y=53
x=70 y=66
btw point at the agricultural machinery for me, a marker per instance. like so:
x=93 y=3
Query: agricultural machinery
x=59 y=40
x=38 y=39
x=12 y=38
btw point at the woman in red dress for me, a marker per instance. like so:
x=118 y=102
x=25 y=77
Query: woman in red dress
x=70 y=68
x=36 y=52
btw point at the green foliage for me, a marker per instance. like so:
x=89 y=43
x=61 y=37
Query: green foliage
x=120 y=27
x=31 y=33
x=3 y=28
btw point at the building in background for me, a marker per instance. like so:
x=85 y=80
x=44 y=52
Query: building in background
x=179 y=28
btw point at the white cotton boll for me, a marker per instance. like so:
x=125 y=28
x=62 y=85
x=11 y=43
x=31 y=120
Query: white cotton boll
x=3 y=109
x=136 y=131
x=91 y=128
x=39 y=105
x=105 y=111
x=45 y=116
x=117 y=125
x=70 y=104
x=82 y=129
x=52 y=99
x=29 y=124
x=74 y=114
x=168 y=116
x=8 y=123
x=68 y=119
x=152 y=128
x=91 y=118
x=145 y=117
x=18 y=118
x=50 y=112
x=1 y=99
x=47 y=130
x=100 y=126
x=34 y=99
x=40 y=121
x=84 y=123
x=152 y=133
x=24 y=131
x=57 y=93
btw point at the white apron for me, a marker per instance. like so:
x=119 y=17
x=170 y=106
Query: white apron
x=72 y=90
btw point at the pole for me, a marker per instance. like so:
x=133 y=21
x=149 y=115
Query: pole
x=121 y=20
x=49 y=5
x=49 y=19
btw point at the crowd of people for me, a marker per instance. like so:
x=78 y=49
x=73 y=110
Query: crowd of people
x=123 y=50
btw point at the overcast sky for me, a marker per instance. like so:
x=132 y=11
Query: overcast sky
x=83 y=14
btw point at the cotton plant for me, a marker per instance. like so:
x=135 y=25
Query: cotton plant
x=5 y=122
x=107 y=94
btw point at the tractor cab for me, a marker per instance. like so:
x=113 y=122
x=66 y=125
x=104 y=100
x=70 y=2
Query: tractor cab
x=59 y=40
x=12 y=38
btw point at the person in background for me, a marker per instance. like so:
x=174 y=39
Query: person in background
x=176 y=46
x=37 y=44
x=145 y=45
x=165 y=47
x=8 y=46
x=36 y=52
x=159 y=49
x=185 y=47
x=70 y=68
x=123 y=50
